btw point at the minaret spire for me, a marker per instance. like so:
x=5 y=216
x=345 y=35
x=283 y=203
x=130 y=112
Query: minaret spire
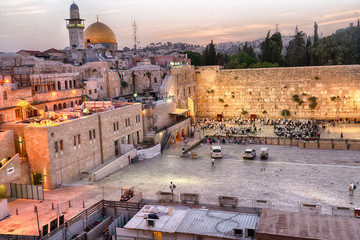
x=97 y=17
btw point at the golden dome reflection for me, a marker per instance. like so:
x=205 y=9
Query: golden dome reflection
x=99 y=33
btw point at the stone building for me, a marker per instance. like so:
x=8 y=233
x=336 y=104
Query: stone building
x=66 y=144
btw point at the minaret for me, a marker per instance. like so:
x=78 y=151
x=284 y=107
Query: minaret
x=76 y=27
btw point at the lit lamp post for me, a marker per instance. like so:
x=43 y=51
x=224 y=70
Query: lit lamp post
x=135 y=95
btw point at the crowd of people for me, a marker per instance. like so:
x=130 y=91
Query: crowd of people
x=302 y=128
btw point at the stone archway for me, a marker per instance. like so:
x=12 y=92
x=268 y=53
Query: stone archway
x=172 y=139
x=177 y=137
x=183 y=136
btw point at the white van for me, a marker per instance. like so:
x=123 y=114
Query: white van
x=216 y=152
x=264 y=153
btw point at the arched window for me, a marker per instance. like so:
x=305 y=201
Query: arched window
x=5 y=95
x=60 y=106
x=46 y=109
x=71 y=104
x=64 y=105
x=55 y=107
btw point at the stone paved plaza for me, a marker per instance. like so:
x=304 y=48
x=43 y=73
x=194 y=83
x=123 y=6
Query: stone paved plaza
x=290 y=176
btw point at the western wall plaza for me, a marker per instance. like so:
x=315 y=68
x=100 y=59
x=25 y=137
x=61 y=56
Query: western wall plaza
x=99 y=141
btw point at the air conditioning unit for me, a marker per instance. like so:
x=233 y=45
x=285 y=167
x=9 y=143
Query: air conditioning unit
x=249 y=232
x=238 y=232
x=150 y=222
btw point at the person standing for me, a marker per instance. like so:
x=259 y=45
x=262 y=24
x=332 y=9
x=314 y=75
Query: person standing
x=352 y=187
x=212 y=162
x=172 y=187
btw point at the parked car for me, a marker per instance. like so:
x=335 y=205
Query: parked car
x=216 y=152
x=249 y=154
x=264 y=153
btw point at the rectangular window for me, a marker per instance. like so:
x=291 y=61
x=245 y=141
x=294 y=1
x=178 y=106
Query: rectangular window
x=89 y=91
x=128 y=121
x=79 y=139
x=101 y=88
x=66 y=85
x=189 y=90
x=90 y=135
x=61 y=145
x=95 y=90
x=70 y=83
x=74 y=83
x=94 y=133
x=74 y=140
x=117 y=125
x=56 y=147
x=59 y=86
x=114 y=127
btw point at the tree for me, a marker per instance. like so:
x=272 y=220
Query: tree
x=271 y=49
x=343 y=47
x=307 y=49
x=210 y=54
x=249 y=50
x=316 y=35
x=296 y=51
x=196 y=58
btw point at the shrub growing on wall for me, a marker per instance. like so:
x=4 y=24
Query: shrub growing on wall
x=313 y=102
x=285 y=111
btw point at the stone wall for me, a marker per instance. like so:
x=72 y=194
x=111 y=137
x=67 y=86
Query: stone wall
x=158 y=116
x=266 y=92
x=7 y=144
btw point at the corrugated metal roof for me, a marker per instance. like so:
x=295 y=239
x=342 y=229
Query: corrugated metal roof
x=216 y=223
x=280 y=225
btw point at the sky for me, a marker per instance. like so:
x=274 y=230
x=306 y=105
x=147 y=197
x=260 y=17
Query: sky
x=40 y=24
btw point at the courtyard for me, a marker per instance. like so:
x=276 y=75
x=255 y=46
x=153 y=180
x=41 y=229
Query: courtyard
x=289 y=177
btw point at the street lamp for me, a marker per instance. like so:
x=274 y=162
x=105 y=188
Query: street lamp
x=135 y=95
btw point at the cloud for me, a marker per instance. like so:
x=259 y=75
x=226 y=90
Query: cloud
x=15 y=3
x=335 y=15
x=25 y=11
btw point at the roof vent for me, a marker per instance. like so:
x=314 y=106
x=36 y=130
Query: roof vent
x=237 y=232
x=249 y=232
x=150 y=222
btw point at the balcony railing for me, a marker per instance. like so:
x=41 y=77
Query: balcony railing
x=75 y=25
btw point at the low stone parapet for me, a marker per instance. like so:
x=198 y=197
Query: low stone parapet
x=113 y=166
x=226 y=200
x=189 y=197
x=149 y=152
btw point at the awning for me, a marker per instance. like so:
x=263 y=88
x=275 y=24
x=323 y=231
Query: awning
x=180 y=112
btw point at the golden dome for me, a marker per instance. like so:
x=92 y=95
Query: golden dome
x=99 y=33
